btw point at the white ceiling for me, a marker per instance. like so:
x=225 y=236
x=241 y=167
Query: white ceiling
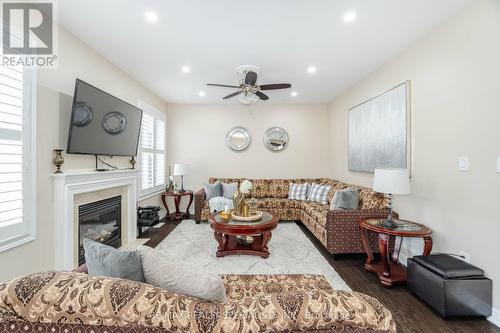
x=283 y=37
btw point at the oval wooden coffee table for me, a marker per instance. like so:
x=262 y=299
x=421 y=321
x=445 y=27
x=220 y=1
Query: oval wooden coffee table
x=230 y=234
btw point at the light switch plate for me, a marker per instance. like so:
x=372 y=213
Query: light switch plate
x=463 y=163
x=498 y=164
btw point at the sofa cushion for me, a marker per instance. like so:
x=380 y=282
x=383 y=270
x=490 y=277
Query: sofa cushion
x=260 y=188
x=278 y=188
x=104 y=260
x=180 y=278
x=277 y=203
x=225 y=180
x=316 y=211
x=369 y=199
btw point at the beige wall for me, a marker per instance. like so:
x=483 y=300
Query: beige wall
x=196 y=136
x=54 y=97
x=455 y=72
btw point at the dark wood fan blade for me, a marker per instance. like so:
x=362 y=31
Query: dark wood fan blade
x=251 y=78
x=275 y=86
x=233 y=94
x=221 y=85
x=262 y=96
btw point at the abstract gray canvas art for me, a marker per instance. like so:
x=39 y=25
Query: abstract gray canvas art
x=378 y=131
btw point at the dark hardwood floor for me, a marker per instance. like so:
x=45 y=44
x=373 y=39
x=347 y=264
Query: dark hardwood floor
x=411 y=314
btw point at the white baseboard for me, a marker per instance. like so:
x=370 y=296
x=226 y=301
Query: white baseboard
x=403 y=259
x=495 y=317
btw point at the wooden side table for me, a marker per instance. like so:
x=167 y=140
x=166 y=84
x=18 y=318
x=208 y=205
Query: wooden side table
x=389 y=270
x=177 y=215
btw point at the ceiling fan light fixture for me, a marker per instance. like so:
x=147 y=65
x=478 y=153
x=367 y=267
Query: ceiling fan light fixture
x=248 y=99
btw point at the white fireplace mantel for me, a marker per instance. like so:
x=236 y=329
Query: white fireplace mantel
x=66 y=186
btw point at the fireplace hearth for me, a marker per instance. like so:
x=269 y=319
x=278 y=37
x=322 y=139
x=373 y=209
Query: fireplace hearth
x=100 y=221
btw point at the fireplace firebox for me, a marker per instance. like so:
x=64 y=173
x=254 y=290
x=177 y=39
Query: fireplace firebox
x=100 y=221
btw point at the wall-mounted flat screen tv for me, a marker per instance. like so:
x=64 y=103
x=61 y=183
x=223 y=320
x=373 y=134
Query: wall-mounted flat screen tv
x=102 y=124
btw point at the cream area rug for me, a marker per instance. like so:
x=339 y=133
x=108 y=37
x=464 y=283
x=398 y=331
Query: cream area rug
x=291 y=253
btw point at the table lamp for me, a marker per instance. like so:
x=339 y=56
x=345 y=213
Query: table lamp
x=181 y=169
x=391 y=181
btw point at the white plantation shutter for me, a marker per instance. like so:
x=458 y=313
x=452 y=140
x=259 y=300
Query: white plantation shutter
x=147 y=152
x=17 y=156
x=159 y=154
x=152 y=150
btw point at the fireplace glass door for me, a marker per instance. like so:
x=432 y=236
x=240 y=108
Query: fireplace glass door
x=100 y=221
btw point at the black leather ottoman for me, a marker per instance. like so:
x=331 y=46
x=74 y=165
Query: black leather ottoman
x=449 y=285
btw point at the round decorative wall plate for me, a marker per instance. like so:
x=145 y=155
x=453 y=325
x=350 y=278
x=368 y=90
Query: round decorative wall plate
x=238 y=138
x=276 y=139
x=82 y=114
x=114 y=122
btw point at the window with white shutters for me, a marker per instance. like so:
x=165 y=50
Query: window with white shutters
x=17 y=156
x=152 y=150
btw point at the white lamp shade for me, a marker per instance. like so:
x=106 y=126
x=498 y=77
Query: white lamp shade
x=394 y=181
x=180 y=169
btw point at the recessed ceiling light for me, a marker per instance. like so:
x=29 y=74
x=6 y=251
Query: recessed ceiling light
x=185 y=69
x=201 y=93
x=151 y=16
x=311 y=69
x=294 y=94
x=350 y=16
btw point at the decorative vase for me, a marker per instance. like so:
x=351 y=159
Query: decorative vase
x=245 y=209
x=58 y=160
x=237 y=202
x=132 y=162
x=170 y=185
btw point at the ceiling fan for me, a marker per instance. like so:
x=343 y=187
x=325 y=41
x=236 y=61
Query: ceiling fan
x=249 y=91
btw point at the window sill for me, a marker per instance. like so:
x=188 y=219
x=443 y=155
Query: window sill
x=150 y=195
x=16 y=241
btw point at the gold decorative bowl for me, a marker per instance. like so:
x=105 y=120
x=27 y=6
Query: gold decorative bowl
x=254 y=216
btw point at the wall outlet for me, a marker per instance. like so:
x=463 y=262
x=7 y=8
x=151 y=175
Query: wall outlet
x=498 y=164
x=464 y=256
x=463 y=163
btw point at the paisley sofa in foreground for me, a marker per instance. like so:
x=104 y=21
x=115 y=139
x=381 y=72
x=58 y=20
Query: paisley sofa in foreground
x=337 y=230
x=58 y=302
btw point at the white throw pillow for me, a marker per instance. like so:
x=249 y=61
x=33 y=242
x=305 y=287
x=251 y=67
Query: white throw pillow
x=318 y=193
x=298 y=191
x=179 y=278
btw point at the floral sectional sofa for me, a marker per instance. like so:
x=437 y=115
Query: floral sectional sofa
x=65 y=302
x=337 y=230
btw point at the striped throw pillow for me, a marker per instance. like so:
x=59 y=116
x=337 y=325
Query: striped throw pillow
x=318 y=193
x=298 y=191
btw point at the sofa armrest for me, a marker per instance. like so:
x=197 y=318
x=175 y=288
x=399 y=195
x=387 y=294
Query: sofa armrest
x=343 y=229
x=199 y=201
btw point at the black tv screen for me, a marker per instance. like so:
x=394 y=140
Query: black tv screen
x=102 y=124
